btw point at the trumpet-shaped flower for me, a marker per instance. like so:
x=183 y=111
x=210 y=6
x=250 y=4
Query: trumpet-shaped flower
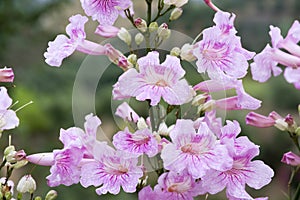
x=111 y=170
x=220 y=52
x=105 y=11
x=62 y=46
x=255 y=174
x=8 y=117
x=66 y=169
x=155 y=81
x=142 y=141
x=174 y=186
x=196 y=152
x=284 y=51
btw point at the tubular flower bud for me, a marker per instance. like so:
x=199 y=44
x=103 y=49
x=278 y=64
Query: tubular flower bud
x=187 y=53
x=125 y=36
x=107 y=31
x=140 y=24
x=132 y=58
x=6 y=75
x=177 y=3
x=291 y=159
x=26 y=184
x=139 y=38
x=175 y=52
x=51 y=195
x=163 y=31
x=153 y=27
x=175 y=14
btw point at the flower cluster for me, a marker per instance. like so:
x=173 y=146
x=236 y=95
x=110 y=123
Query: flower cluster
x=190 y=156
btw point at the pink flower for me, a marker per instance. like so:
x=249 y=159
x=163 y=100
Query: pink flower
x=83 y=139
x=220 y=52
x=196 y=152
x=8 y=117
x=291 y=159
x=284 y=51
x=105 y=11
x=63 y=46
x=241 y=100
x=6 y=75
x=142 y=141
x=174 y=186
x=126 y=112
x=111 y=170
x=244 y=171
x=147 y=194
x=155 y=81
x=107 y=31
x=66 y=169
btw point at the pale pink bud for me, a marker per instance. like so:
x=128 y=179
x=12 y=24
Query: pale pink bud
x=6 y=75
x=163 y=31
x=291 y=159
x=107 y=31
x=140 y=24
x=255 y=119
x=187 y=53
x=125 y=36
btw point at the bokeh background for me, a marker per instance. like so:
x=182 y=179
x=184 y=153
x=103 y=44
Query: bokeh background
x=26 y=27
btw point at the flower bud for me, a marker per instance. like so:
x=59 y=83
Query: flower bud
x=141 y=123
x=26 y=184
x=175 y=14
x=291 y=159
x=153 y=27
x=6 y=75
x=139 y=38
x=38 y=198
x=177 y=3
x=207 y=106
x=9 y=154
x=175 y=52
x=187 y=53
x=51 y=195
x=200 y=99
x=125 y=36
x=132 y=58
x=140 y=24
x=163 y=31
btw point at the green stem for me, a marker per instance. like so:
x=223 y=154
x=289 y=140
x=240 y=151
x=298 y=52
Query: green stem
x=159 y=14
x=297 y=193
x=149 y=11
x=290 y=182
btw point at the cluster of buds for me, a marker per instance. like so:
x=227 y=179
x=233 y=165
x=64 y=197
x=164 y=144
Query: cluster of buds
x=14 y=159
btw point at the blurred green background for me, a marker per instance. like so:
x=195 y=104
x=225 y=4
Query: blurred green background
x=26 y=27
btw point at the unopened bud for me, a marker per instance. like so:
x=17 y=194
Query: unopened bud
x=163 y=31
x=125 y=36
x=187 y=53
x=153 y=27
x=19 y=164
x=139 y=38
x=175 y=52
x=207 y=106
x=281 y=124
x=9 y=154
x=26 y=184
x=140 y=24
x=141 y=123
x=175 y=14
x=132 y=58
x=38 y=198
x=51 y=195
x=200 y=99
